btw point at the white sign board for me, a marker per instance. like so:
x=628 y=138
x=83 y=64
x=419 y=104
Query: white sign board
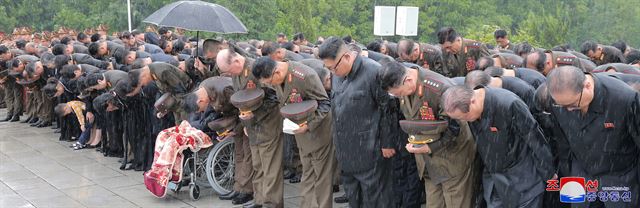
x=384 y=21
x=407 y=21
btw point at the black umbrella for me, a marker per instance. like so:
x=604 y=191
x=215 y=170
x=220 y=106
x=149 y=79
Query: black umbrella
x=197 y=16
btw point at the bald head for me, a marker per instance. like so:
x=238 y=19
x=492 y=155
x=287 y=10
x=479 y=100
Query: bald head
x=477 y=78
x=229 y=62
x=405 y=47
x=566 y=78
x=536 y=60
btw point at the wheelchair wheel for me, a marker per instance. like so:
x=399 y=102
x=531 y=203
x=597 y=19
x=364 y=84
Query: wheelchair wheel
x=201 y=171
x=221 y=166
x=194 y=192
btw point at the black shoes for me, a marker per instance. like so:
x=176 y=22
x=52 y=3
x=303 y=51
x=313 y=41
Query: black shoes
x=252 y=205
x=44 y=124
x=295 y=179
x=229 y=196
x=288 y=175
x=242 y=198
x=336 y=188
x=34 y=120
x=341 y=199
x=36 y=123
x=15 y=118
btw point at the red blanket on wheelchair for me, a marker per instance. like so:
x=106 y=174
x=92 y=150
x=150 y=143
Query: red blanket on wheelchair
x=168 y=157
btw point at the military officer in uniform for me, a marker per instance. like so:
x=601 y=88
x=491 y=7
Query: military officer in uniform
x=545 y=61
x=295 y=83
x=516 y=156
x=602 y=54
x=503 y=60
x=424 y=55
x=502 y=40
x=263 y=128
x=447 y=164
x=216 y=92
x=169 y=79
x=460 y=54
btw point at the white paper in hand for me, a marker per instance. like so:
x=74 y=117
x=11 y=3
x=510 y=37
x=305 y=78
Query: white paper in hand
x=289 y=126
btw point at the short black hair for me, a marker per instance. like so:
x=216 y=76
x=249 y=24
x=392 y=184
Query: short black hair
x=347 y=39
x=539 y=62
x=3 y=49
x=588 y=46
x=81 y=36
x=163 y=30
x=134 y=77
x=288 y=45
x=92 y=79
x=178 y=46
x=68 y=71
x=269 y=48
x=494 y=71
x=61 y=60
x=488 y=62
x=163 y=43
x=620 y=45
x=281 y=35
x=446 y=34
x=20 y=44
x=523 y=49
x=59 y=49
x=374 y=45
x=95 y=37
x=263 y=67
x=210 y=45
x=65 y=40
x=633 y=57
x=138 y=63
x=93 y=48
x=190 y=103
x=298 y=36
x=406 y=45
x=391 y=74
x=500 y=33
x=477 y=78
x=125 y=35
x=330 y=48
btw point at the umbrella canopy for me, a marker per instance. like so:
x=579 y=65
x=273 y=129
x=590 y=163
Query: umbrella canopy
x=197 y=16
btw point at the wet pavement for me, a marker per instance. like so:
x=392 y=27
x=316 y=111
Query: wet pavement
x=37 y=170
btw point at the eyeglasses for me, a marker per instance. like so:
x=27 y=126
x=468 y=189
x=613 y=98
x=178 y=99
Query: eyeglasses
x=333 y=69
x=572 y=106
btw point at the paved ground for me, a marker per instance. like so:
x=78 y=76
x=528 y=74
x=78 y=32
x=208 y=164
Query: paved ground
x=37 y=170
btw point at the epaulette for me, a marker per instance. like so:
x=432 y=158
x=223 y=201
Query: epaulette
x=565 y=60
x=433 y=85
x=297 y=73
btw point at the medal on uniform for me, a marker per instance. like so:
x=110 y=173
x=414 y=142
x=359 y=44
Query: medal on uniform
x=295 y=97
x=471 y=64
x=251 y=85
x=426 y=113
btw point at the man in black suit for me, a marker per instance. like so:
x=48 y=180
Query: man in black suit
x=517 y=159
x=360 y=125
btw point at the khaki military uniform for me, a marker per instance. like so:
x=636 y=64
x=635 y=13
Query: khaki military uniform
x=463 y=61
x=170 y=79
x=317 y=152
x=266 y=144
x=449 y=171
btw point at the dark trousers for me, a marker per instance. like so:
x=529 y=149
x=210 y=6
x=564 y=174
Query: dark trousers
x=114 y=134
x=291 y=155
x=13 y=98
x=406 y=186
x=370 y=188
